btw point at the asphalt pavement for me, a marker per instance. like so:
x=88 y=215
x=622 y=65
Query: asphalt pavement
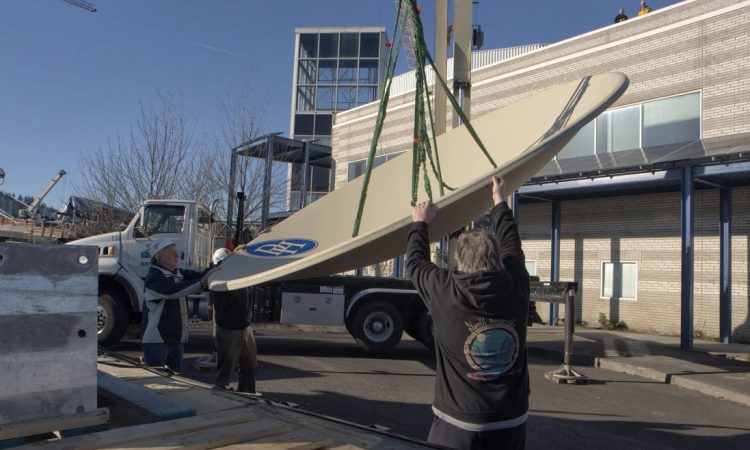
x=711 y=368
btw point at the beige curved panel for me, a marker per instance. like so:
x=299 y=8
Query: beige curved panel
x=521 y=138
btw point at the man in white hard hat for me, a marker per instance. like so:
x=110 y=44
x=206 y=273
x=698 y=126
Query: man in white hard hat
x=164 y=307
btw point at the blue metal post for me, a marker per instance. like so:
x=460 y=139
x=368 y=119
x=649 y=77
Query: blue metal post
x=555 y=257
x=725 y=267
x=686 y=297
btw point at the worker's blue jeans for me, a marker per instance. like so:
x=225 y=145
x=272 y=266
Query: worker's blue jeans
x=160 y=355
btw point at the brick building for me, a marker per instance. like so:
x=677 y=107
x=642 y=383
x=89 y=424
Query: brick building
x=648 y=207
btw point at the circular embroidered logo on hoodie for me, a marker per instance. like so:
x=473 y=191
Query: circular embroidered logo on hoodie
x=491 y=351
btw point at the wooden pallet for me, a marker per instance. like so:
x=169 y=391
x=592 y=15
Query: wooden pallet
x=234 y=429
x=19 y=433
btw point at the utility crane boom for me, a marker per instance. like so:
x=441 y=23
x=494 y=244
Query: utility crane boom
x=31 y=210
x=82 y=4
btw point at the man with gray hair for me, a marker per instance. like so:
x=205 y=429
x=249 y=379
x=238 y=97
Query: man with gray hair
x=479 y=312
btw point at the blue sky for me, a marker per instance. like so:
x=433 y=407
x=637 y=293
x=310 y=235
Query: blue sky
x=70 y=79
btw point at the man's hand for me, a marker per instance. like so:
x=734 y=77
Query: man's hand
x=423 y=212
x=204 y=278
x=498 y=190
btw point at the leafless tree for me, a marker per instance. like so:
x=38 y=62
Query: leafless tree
x=151 y=161
x=245 y=120
x=160 y=157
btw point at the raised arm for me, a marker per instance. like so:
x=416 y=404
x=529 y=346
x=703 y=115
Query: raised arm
x=425 y=275
x=503 y=225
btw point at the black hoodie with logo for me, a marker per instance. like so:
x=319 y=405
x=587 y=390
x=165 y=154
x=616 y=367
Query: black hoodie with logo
x=482 y=379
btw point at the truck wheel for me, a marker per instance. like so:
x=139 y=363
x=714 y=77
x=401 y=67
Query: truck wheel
x=377 y=326
x=112 y=319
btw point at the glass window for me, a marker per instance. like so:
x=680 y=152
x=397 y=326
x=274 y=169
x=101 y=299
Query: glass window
x=355 y=169
x=324 y=99
x=366 y=95
x=319 y=181
x=323 y=124
x=305 y=98
x=327 y=74
x=323 y=140
x=368 y=71
x=370 y=45
x=349 y=45
x=619 y=280
x=582 y=143
x=346 y=97
x=390 y=156
x=347 y=71
x=308 y=45
x=329 y=45
x=671 y=120
x=618 y=130
x=159 y=219
x=303 y=124
x=306 y=71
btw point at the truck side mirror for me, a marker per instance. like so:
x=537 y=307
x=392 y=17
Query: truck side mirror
x=139 y=231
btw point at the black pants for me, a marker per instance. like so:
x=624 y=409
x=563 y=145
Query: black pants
x=447 y=435
x=233 y=347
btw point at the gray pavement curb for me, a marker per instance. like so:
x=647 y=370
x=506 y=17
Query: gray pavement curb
x=621 y=364
x=693 y=383
x=687 y=375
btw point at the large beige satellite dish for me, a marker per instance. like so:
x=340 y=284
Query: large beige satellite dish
x=521 y=138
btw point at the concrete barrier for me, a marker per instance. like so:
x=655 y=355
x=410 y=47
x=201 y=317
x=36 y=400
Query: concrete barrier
x=48 y=324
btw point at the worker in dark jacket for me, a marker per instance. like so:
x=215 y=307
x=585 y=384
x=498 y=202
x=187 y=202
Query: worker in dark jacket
x=235 y=343
x=165 y=309
x=620 y=17
x=479 y=313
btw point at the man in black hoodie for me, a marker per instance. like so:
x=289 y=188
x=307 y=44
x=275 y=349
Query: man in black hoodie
x=479 y=313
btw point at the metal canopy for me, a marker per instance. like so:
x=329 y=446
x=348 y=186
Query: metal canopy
x=286 y=150
x=273 y=147
x=715 y=165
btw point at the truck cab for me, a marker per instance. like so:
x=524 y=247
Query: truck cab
x=124 y=257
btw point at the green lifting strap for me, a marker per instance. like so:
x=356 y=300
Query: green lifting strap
x=421 y=149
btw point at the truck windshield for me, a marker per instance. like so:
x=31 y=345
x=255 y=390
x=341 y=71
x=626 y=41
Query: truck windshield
x=159 y=219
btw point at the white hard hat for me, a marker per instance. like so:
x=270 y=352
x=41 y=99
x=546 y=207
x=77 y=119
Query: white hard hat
x=160 y=248
x=220 y=255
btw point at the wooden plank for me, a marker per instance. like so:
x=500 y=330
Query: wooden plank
x=160 y=406
x=129 y=435
x=31 y=427
x=216 y=437
x=289 y=441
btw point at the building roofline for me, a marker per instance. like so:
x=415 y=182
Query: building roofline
x=339 y=29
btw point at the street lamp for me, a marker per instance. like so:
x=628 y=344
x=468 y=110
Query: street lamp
x=2 y=176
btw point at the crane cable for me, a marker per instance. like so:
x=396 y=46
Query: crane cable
x=421 y=150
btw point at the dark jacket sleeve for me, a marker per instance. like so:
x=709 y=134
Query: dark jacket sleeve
x=193 y=274
x=426 y=276
x=511 y=254
x=506 y=231
x=168 y=288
